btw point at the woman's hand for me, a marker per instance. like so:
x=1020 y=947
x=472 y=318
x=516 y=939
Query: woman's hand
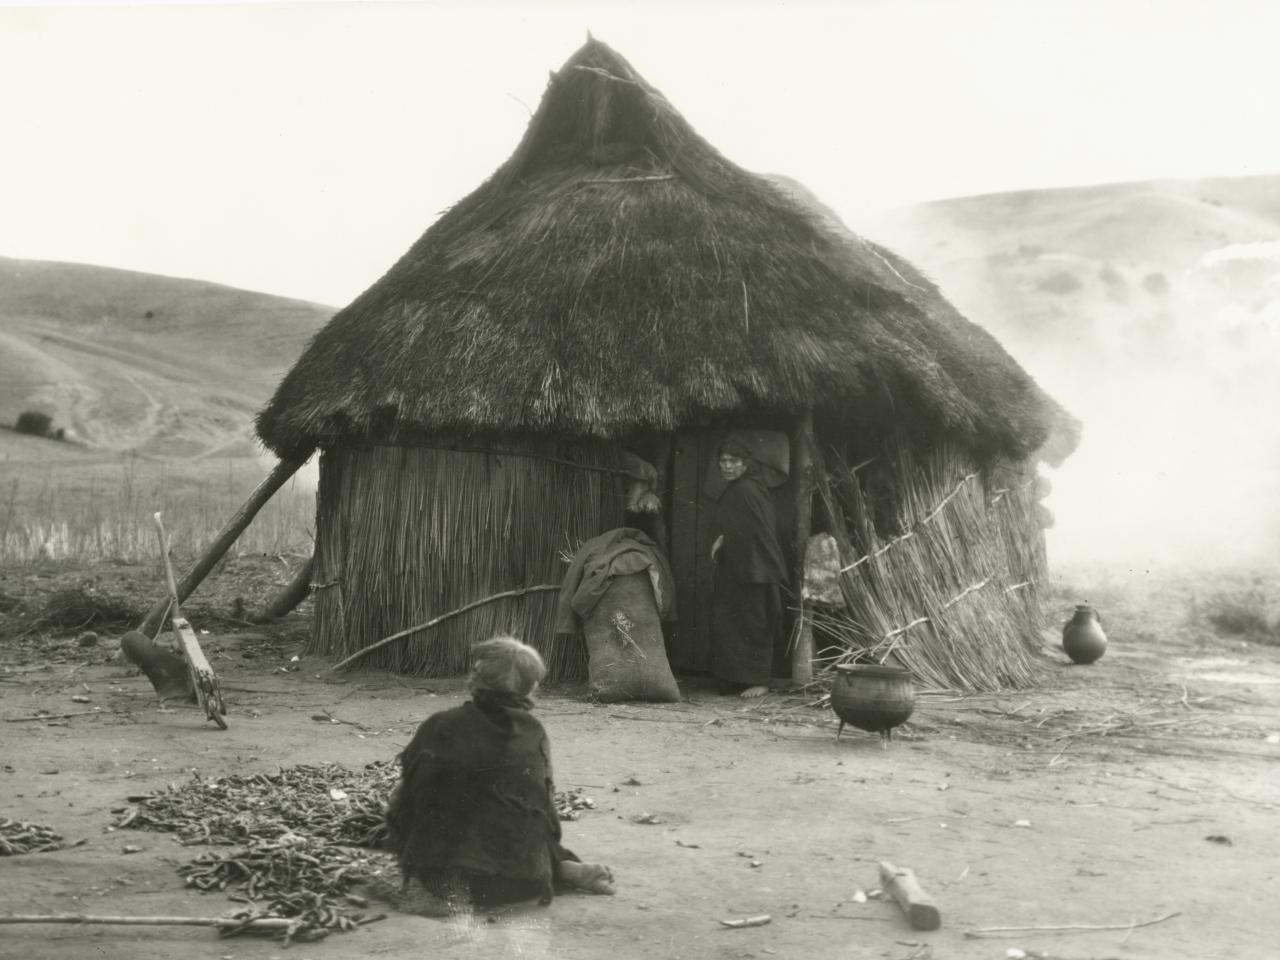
x=715 y=547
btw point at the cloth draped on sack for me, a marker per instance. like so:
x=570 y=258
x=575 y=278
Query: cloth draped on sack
x=475 y=805
x=615 y=553
x=620 y=587
x=746 y=616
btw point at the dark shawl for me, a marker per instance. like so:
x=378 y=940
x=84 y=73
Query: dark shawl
x=476 y=795
x=746 y=519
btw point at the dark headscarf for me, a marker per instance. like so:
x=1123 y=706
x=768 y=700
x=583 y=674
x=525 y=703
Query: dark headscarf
x=735 y=446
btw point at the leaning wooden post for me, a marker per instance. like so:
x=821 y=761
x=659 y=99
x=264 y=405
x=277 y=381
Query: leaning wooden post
x=227 y=536
x=288 y=598
x=802 y=471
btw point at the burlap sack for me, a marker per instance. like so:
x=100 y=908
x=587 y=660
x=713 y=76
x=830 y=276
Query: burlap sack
x=626 y=656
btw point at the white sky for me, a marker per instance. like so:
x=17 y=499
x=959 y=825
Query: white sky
x=300 y=148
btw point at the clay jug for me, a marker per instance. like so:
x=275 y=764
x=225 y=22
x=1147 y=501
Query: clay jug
x=1082 y=636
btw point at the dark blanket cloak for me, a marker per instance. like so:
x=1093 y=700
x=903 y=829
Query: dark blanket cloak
x=746 y=614
x=475 y=807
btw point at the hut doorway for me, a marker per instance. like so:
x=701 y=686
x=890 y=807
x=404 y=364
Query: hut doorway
x=695 y=487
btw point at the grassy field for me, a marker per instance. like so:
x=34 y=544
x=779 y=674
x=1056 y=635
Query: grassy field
x=154 y=381
x=99 y=508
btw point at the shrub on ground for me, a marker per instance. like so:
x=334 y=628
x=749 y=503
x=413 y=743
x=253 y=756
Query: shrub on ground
x=33 y=422
x=1241 y=612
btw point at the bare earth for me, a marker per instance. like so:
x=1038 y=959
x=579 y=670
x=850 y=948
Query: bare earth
x=1089 y=801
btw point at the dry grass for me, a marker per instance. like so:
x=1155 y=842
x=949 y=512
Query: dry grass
x=1244 y=611
x=101 y=510
x=955 y=596
x=73 y=608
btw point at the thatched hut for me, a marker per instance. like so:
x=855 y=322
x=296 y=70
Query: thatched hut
x=619 y=284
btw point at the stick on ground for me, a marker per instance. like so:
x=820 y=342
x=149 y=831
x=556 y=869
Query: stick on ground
x=262 y=923
x=440 y=619
x=1070 y=928
x=54 y=716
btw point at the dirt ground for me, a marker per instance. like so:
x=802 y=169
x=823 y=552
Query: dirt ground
x=1143 y=787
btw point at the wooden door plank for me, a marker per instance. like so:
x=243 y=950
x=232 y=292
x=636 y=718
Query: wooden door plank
x=683 y=549
x=704 y=569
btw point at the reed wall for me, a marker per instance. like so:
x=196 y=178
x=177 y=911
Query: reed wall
x=407 y=533
x=952 y=591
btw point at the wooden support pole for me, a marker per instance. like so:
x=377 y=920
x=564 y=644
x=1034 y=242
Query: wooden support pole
x=901 y=883
x=288 y=598
x=802 y=473
x=227 y=536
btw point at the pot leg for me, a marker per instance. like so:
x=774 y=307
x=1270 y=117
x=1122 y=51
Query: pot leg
x=839 y=729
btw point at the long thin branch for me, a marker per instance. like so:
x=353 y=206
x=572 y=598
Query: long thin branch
x=54 y=716
x=948 y=498
x=440 y=619
x=262 y=923
x=1069 y=928
x=910 y=533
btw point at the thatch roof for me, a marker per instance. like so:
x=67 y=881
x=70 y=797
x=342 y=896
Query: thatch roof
x=619 y=273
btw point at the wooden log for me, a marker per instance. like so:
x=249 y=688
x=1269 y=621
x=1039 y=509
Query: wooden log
x=802 y=663
x=802 y=473
x=289 y=597
x=227 y=536
x=901 y=883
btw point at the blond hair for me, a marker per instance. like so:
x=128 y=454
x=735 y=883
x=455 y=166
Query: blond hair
x=505 y=665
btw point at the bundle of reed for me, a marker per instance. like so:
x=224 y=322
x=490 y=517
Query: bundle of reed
x=404 y=534
x=954 y=595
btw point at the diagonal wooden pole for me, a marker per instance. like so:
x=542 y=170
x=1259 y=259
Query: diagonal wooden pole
x=288 y=598
x=226 y=537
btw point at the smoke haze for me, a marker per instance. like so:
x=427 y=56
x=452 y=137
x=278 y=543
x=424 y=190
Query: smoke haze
x=1152 y=312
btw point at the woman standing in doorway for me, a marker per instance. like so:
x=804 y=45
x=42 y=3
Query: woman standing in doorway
x=746 y=607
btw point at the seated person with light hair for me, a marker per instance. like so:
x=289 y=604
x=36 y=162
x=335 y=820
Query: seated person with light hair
x=473 y=817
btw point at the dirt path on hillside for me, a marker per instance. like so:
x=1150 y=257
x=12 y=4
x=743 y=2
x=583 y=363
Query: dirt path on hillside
x=1141 y=787
x=123 y=395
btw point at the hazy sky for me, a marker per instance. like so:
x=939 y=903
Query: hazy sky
x=300 y=148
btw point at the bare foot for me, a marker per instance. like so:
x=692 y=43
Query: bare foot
x=588 y=877
x=752 y=692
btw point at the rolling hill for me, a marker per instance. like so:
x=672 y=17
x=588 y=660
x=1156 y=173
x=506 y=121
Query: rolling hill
x=1098 y=267
x=1152 y=311
x=127 y=361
